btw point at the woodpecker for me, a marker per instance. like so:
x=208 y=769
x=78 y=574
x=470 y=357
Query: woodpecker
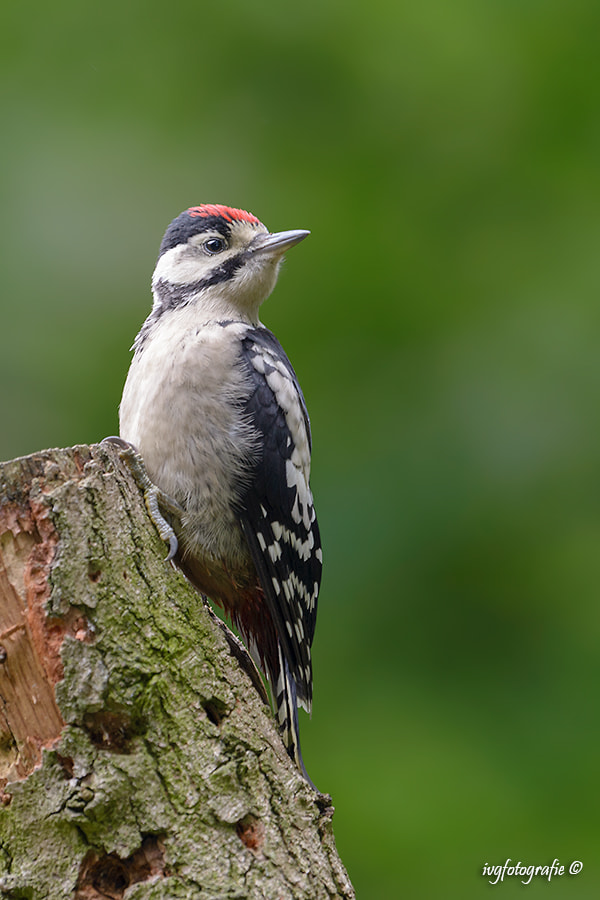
x=213 y=405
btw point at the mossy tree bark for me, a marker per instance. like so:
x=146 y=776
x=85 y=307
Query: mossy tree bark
x=137 y=757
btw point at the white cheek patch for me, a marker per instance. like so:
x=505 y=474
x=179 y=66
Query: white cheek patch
x=184 y=265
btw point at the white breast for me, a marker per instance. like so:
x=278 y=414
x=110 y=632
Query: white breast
x=181 y=409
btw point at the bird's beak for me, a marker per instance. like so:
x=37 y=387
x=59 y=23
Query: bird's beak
x=276 y=244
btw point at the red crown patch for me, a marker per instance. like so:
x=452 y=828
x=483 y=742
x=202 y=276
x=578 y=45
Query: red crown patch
x=225 y=212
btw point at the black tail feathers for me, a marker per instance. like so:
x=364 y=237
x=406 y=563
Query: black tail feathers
x=286 y=709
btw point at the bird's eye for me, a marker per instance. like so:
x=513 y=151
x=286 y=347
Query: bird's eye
x=214 y=245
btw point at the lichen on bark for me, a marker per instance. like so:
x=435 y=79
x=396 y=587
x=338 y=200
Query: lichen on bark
x=137 y=757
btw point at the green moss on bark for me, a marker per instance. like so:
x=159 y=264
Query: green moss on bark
x=169 y=779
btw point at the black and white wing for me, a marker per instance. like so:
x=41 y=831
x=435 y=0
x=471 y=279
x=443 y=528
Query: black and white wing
x=277 y=512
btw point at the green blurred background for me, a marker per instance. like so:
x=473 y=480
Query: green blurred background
x=444 y=322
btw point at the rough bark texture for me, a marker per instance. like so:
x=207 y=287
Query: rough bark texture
x=137 y=758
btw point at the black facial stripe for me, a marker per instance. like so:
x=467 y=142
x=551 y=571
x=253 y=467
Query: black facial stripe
x=223 y=272
x=172 y=295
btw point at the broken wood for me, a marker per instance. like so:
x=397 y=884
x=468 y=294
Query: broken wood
x=137 y=757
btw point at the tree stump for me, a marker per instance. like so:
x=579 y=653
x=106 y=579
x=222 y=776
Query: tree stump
x=137 y=757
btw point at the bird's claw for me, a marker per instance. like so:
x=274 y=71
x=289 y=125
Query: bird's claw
x=118 y=442
x=153 y=496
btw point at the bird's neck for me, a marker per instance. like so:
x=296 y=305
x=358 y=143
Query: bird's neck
x=214 y=304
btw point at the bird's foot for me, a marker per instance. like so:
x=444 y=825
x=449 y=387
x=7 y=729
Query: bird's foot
x=157 y=502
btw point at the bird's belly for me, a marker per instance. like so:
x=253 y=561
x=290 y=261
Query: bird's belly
x=181 y=408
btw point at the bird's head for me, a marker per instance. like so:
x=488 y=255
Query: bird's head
x=223 y=260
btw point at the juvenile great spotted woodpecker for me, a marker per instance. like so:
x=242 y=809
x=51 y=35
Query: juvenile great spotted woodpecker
x=214 y=407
